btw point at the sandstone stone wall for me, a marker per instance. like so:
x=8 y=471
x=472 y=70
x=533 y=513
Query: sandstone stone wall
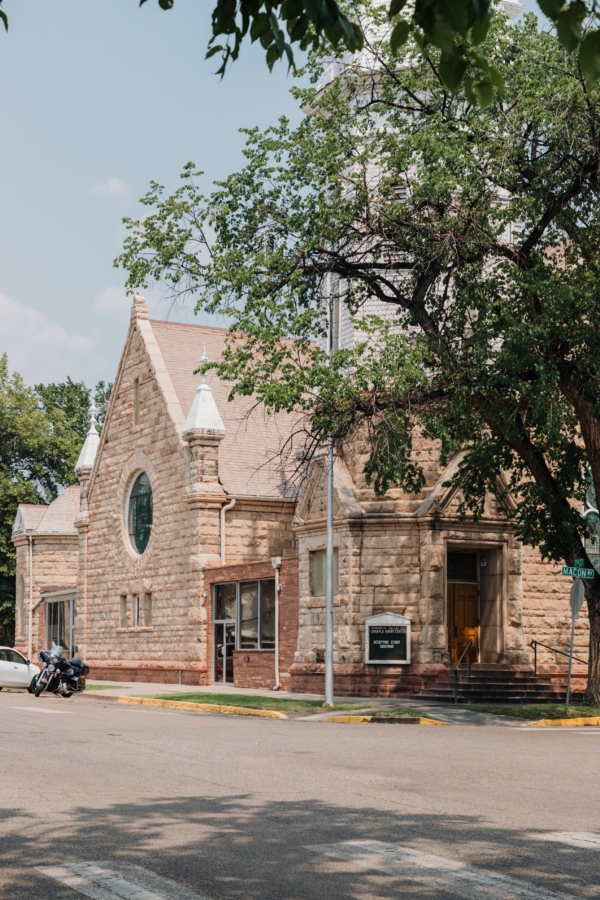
x=184 y=540
x=54 y=566
x=166 y=569
x=546 y=610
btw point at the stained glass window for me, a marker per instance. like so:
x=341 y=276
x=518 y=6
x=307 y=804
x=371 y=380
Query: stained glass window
x=140 y=512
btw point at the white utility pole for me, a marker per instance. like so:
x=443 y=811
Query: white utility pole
x=576 y=601
x=329 y=544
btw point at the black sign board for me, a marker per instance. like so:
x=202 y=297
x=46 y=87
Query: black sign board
x=387 y=643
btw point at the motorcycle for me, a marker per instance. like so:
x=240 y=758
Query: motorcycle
x=61 y=676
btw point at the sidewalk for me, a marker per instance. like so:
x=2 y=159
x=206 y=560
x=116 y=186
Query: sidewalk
x=454 y=715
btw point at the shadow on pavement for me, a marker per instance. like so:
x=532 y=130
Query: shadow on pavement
x=235 y=847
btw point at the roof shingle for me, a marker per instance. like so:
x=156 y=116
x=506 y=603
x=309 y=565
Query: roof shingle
x=249 y=460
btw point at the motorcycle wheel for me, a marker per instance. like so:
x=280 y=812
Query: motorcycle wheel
x=31 y=688
x=39 y=688
x=68 y=694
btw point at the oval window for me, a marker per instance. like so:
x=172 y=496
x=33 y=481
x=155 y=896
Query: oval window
x=140 y=512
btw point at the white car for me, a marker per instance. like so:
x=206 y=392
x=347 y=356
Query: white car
x=15 y=670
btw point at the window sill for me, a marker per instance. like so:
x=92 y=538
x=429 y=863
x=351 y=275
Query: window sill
x=141 y=628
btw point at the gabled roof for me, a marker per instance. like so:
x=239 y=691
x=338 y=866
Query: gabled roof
x=29 y=516
x=57 y=518
x=248 y=454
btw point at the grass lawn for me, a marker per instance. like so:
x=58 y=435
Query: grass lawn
x=538 y=710
x=253 y=702
x=398 y=713
x=107 y=687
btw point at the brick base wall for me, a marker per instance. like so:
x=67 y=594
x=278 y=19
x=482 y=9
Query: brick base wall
x=149 y=671
x=357 y=680
x=254 y=668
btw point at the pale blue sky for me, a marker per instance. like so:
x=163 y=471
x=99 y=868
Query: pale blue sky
x=99 y=97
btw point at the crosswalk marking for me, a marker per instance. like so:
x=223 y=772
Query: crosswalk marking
x=117 y=881
x=587 y=840
x=448 y=876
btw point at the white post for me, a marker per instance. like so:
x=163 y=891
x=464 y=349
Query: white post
x=30 y=623
x=570 y=664
x=329 y=539
x=276 y=563
x=329 y=581
x=576 y=602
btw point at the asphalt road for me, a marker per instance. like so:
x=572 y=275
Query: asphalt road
x=178 y=806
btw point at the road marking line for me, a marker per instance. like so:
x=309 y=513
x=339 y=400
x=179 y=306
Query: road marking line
x=445 y=875
x=59 y=712
x=585 y=839
x=114 y=880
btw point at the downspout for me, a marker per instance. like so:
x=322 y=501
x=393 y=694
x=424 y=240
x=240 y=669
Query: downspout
x=224 y=509
x=276 y=563
x=30 y=624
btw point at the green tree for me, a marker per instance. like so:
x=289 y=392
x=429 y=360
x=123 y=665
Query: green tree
x=455 y=27
x=42 y=430
x=477 y=230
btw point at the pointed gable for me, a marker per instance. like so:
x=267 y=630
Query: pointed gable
x=249 y=462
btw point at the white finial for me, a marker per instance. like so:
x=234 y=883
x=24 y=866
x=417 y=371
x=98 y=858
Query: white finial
x=203 y=359
x=204 y=415
x=90 y=446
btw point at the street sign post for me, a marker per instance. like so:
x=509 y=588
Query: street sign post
x=576 y=601
x=577 y=571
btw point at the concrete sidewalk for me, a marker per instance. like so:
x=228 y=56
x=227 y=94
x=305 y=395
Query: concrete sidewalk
x=455 y=715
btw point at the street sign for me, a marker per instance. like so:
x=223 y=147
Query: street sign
x=579 y=563
x=576 y=599
x=572 y=572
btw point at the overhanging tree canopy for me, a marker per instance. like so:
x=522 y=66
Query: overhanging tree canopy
x=456 y=27
x=479 y=233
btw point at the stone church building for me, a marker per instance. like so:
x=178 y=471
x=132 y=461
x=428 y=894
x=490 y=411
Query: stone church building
x=187 y=555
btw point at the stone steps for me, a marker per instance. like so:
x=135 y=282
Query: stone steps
x=488 y=684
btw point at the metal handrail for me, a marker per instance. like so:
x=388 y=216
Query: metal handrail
x=536 y=644
x=469 y=647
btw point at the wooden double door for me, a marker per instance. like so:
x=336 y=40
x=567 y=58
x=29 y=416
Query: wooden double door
x=463 y=619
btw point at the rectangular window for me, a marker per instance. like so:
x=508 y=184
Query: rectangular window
x=226 y=601
x=251 y=605
x=249 y=615
x=267 y=614
x=123 y=610
x=148 y=610
x=318 y=573
x=136 y=401
x=462 y=566
x=137 y=610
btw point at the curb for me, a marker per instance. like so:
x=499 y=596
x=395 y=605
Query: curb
x=205 y=707
x=388 y=720
x=579 y=722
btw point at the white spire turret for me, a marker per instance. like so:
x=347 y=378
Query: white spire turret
x=204 y=417
x=90 y=447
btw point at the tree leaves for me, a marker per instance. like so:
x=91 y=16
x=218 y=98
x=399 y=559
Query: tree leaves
x=399 y=36
x=568 y=24
x=42 y=430
x=589 y=58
